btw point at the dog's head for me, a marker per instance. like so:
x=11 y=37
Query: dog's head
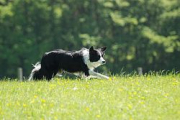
x=96 y=56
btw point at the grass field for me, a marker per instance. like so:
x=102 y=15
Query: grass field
x=149 y=97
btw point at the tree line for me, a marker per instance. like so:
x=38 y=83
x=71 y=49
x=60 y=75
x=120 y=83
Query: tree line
x=137 y=33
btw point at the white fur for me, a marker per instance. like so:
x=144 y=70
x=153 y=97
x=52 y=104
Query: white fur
x=37 y=66
x=98 y=75
x=93 y=65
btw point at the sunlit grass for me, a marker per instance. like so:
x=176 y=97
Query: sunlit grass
x=126 y=97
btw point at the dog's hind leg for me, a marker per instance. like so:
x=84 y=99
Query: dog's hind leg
x=49 y=75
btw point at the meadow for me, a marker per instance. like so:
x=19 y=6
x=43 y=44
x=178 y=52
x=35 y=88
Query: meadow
x=124 y=97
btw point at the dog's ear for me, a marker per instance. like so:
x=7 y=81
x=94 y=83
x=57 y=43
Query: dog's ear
x=91 y=48
x=103 y=49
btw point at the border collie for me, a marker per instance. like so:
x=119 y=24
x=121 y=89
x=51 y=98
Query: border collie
x=81 y=63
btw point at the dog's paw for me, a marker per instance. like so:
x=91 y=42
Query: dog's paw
x=108 y=78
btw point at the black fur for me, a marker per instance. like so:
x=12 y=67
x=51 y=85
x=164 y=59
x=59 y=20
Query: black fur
x=60 y=60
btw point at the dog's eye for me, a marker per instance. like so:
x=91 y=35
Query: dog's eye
x=99 y=56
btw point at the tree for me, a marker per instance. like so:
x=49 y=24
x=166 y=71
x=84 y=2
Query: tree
x=136 y=33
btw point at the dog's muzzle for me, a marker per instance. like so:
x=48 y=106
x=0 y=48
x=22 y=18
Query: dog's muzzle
x=104 y=62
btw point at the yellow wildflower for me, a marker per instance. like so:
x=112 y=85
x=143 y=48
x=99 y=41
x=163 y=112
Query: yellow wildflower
x=87 y=109
x=24 y=105
x=43 y=100
x=98 y=116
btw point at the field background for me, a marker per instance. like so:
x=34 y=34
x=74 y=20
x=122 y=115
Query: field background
x=137 y=33
x=126 y=97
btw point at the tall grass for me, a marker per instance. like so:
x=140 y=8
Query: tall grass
x=126 y=97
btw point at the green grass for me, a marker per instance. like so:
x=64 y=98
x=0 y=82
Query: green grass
x=150 y=97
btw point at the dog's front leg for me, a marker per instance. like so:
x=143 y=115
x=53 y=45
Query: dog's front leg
x=91 y=72
x=90 y=77
x=83 y=76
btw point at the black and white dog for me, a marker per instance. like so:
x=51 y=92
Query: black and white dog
x=82 y=62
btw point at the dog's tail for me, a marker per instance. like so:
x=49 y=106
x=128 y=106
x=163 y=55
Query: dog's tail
x=36 y=72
